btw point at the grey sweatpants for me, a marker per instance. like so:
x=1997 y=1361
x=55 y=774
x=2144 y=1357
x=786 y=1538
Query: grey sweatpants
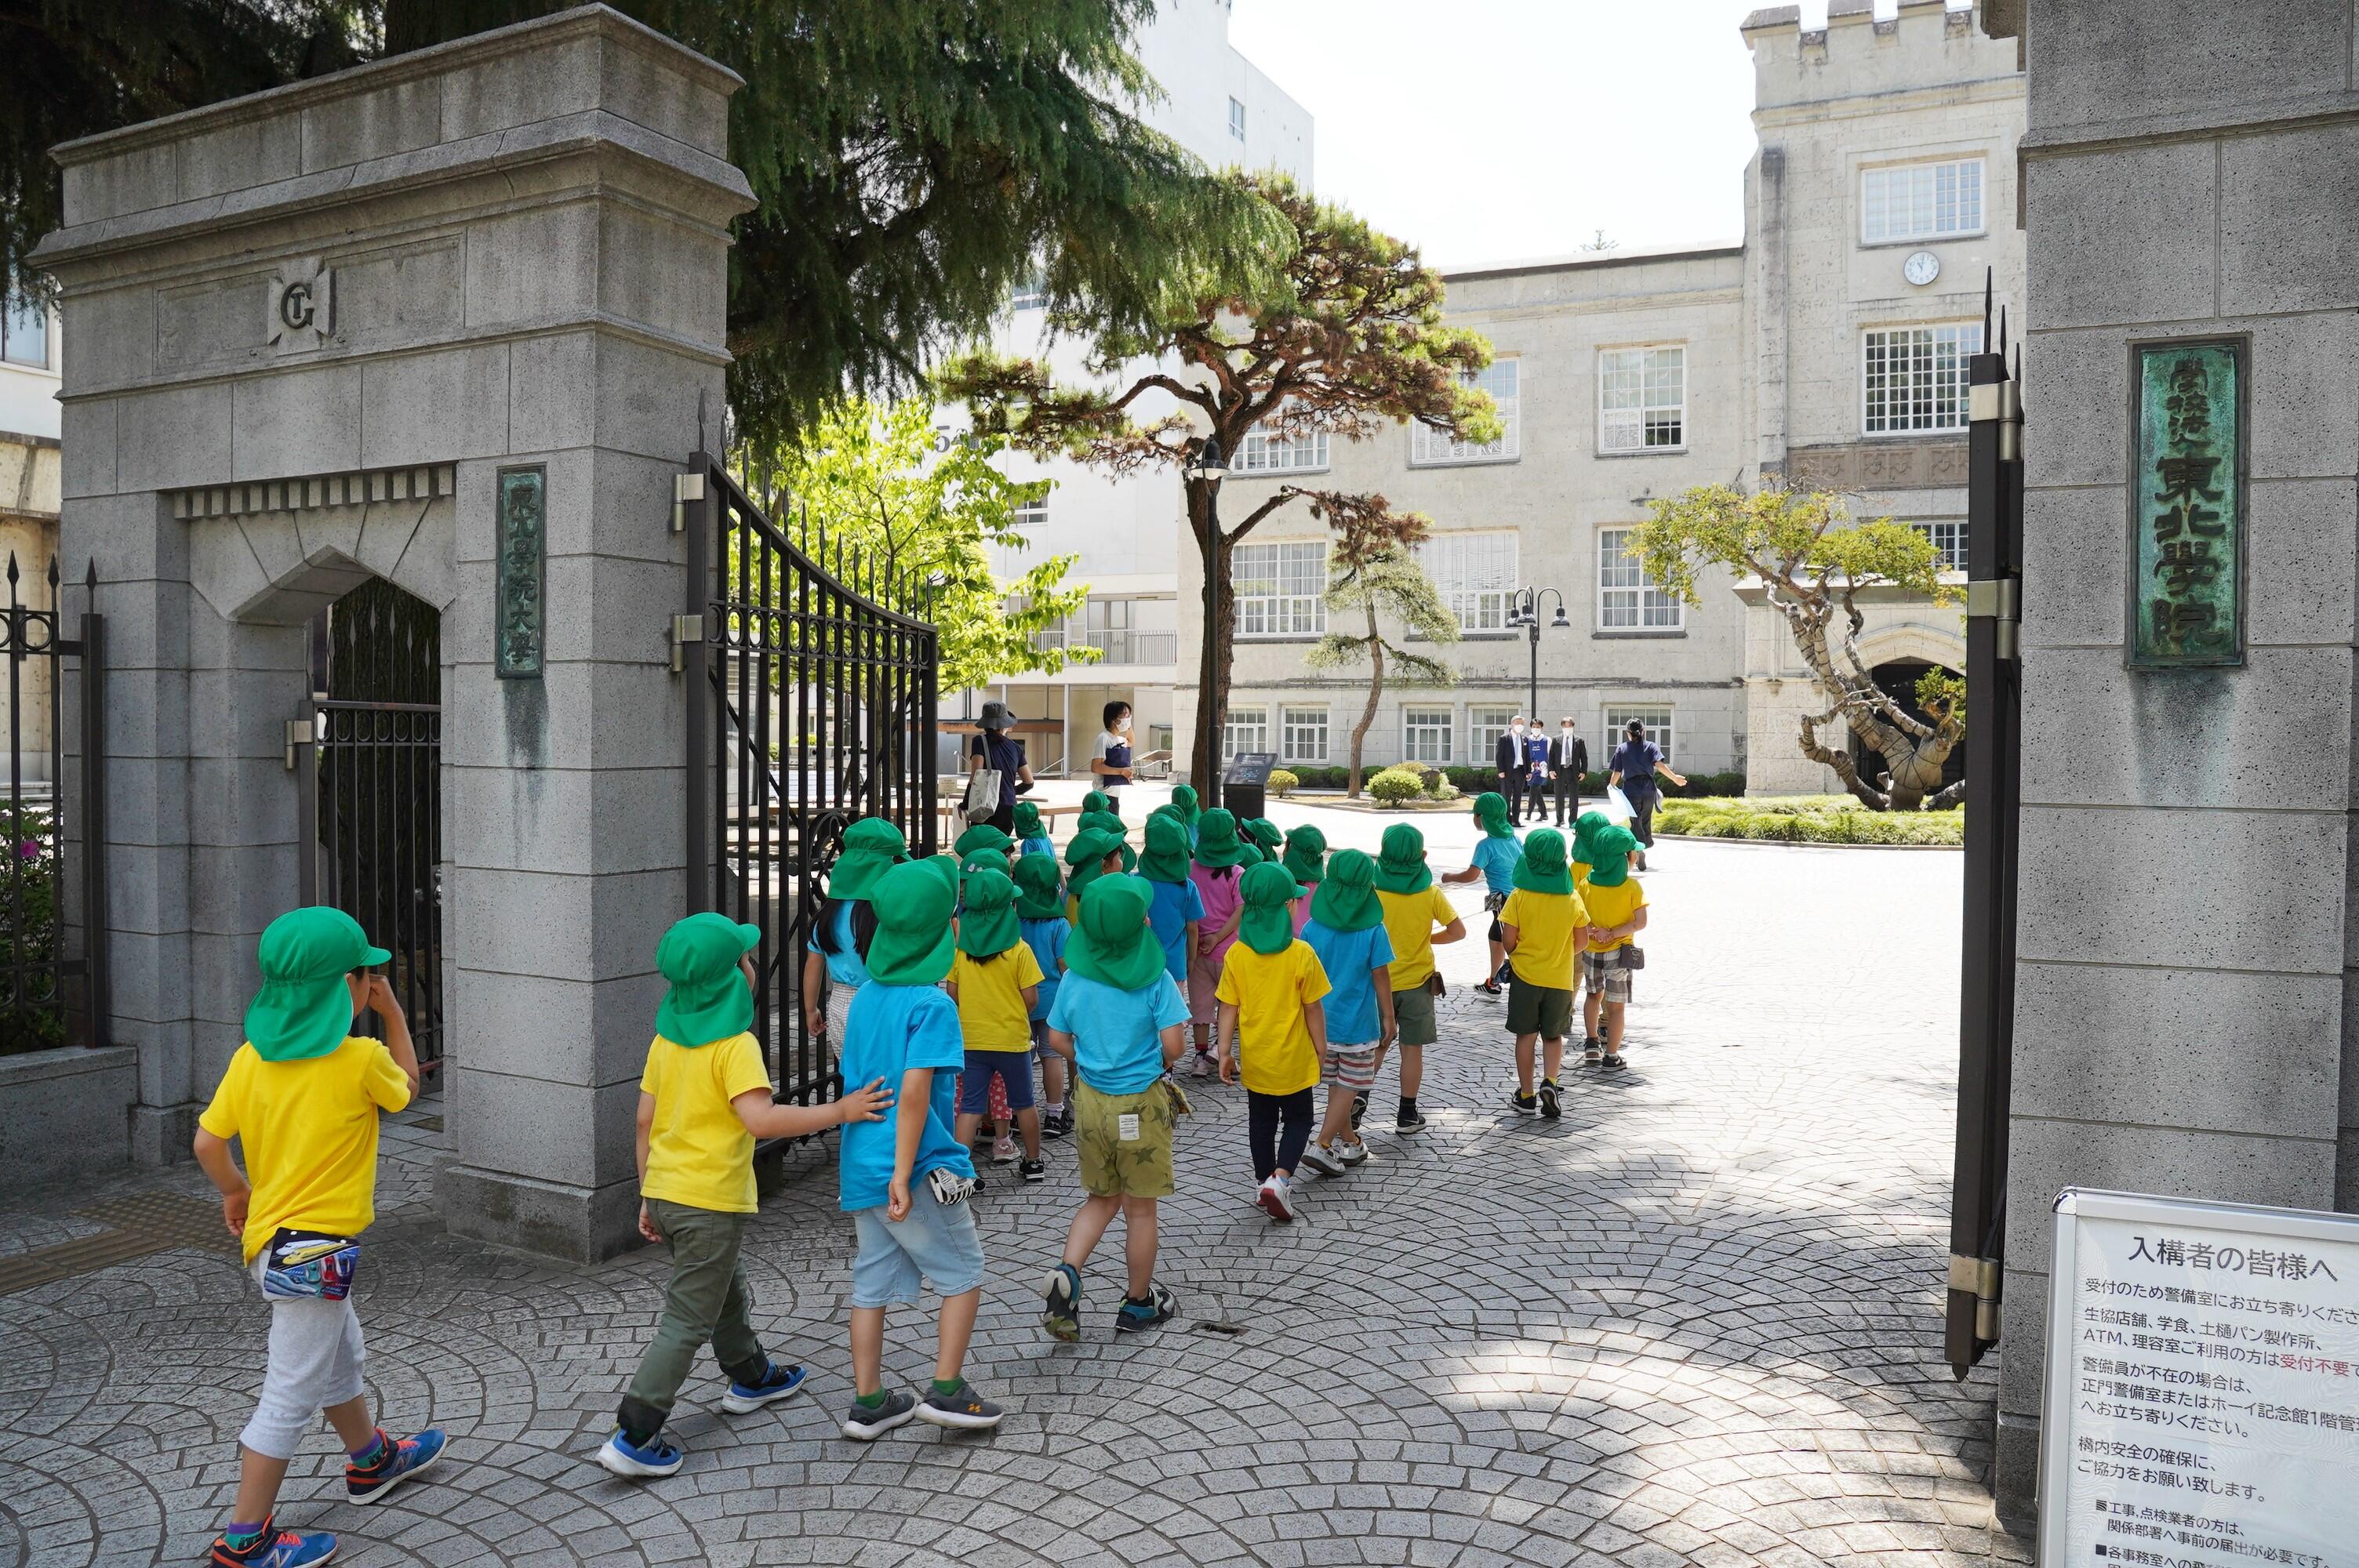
x=315 y=1364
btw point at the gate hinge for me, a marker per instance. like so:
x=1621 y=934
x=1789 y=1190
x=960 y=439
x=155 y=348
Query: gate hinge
x=685 y=488
x=1979 y=1277
x=685 y=629
x=298 y=735
x=1999 y=599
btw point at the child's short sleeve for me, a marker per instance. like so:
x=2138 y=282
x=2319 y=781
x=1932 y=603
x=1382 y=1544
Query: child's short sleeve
x=1060 y=1016
x=1310 y=979
x=1170 y=1007
x=1027 y=965
x=1579 y=910
x=1440 y=911
x=935 y=1038
x=1511 y=913
x=382 y=1080
x=220 y=1116
x=1194 y=900
x=647 y=1076
x=740 y=1068
x=1229 y=991
x=1380 y=948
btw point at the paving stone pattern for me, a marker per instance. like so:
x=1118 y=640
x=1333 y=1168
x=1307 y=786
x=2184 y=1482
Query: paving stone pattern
x=1695 y=1322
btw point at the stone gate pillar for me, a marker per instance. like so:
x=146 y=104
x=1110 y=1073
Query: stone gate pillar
x=307 y=334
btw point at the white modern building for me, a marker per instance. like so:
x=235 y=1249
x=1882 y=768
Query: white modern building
x=28 y=501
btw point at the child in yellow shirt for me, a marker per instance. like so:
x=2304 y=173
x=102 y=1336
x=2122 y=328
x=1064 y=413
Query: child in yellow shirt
x=1617 y=912
x=1272 y=1030
x=1545 y=925
x=995 y=979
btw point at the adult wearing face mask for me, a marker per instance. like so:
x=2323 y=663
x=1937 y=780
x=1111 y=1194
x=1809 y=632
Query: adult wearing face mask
x=1110 y=765
x=1568 y=759
x=1508 y=758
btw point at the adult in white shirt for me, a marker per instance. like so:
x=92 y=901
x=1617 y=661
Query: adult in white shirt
x=1110 y=765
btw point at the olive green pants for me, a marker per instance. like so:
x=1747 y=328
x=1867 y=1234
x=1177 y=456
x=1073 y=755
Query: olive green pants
x=707 y=1302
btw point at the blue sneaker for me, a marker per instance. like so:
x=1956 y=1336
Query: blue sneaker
x=653 y=1457
x=276 y=1548
x=401 y=1461
x=779 y=1383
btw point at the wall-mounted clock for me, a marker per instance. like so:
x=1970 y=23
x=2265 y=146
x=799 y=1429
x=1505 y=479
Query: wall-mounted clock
x=1921 y=267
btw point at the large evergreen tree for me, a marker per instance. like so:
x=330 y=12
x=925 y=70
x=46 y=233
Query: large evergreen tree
x=914 y=159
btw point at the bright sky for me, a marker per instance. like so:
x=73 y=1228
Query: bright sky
x=1497 y=130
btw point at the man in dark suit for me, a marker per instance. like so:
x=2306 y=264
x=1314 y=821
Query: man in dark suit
x=1568 y=759
x=1507 y=757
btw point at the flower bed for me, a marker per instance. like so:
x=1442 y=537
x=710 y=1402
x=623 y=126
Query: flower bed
x=1808 y=819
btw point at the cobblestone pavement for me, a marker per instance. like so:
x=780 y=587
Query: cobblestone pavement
x=1695 y=1322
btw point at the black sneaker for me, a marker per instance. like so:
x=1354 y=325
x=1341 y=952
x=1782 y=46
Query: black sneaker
x=1135 y=1316
x=1592 y=1052
x=1359 y=1110
x=1613 y=1061
x=1550 y=1106
x=1488 y=988
x=960 y=1410
x=1408 y=1121
x=1033 y=1170
x=1526 y=1105
x=863 y=1423
x=1053 y=1124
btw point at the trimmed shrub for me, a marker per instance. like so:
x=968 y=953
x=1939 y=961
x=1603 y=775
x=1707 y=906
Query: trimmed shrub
x=1806 y=819
x=1284 y=781
x=1395 y=787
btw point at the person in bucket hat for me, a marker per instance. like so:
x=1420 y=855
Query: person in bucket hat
x=1174 y=904
x=1418 y=918
x=1617 y=912
x=1493 y=864
x=1216 y=863
x=1305 y=860
x=995 y=979
x=302 y=1094
x=1118 y=1018
x=1040 y=916
x=704 y=1099
x=1547 y=926
x=1346 y=929
x=1272 y=1031
x=832 y=972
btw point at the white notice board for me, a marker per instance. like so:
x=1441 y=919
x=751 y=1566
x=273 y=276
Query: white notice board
x=2202 y=1395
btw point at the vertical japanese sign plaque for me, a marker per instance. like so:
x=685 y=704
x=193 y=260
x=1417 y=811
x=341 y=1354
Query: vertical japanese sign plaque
x=2201 y=1407
x=521 y=546
x=2187 y=533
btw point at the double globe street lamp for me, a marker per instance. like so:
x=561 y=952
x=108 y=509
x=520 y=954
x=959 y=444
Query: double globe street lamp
x=1523 y=613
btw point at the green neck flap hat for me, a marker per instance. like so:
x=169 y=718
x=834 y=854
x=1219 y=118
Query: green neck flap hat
x=1108 y=823
x=913 y=902
x=1216 y=841
x=1184 y=796
x=1027 y=821
x=1543 y=868
x=1264 y=835
x=981 y=860
x=304 y=1010
x=1267 y=923
x=1585 y=828
x=1165 y=860
x=1114 y=944
x=709 y=1000
x=870 y=846
x=1491 y=811
x=983 y=836
x=1401 y=867
x=1038 y=885
x=1346 y=900
x=1306 y=853
x=1086 y=854
x=988 y=919
x=1097 y=800
x=1612 y=846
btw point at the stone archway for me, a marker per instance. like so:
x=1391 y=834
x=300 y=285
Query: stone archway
x=1897 y=657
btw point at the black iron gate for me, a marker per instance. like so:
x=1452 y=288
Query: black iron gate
x=52 y=894
x=811 y=702
x=1993 y=793
x=371 y=792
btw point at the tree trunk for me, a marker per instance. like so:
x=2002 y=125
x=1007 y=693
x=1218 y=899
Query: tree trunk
x=1220 y=631
x=1376 y=688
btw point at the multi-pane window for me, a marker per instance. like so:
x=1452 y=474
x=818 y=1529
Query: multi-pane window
x=1032 y=293
x=1485 y=725
x=1949 y=543
x=1237 y=119
x=1280 y=588
x=1642 y=399
x=1657 y=721
x=24 y=333
x=1426 y=734
x=1258 y=453
x=1476 y=574
x=1032 y=513
x=1246 y=729
x=1302 y=734
x=1501 y=381
x=1915 y=377
x=1627 y=599
x=1920 y=201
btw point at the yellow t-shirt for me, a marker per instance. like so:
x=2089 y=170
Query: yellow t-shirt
x=309 y=1132
x=699 y=1154
x=992 y=1015
x=1410 y=921
x=1546 y=924
x=1612 y=906
x=1275 y=1054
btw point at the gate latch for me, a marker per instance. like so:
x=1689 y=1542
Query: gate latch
x=298 y=735
x=1999 y=599
x=685 y=629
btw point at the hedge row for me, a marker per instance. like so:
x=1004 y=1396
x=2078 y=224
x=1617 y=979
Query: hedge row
x=1474 y=780
x=1809 y=820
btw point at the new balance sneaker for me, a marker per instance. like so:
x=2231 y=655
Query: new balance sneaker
x=1055 y=1123
x=1526 y=1105
x=1061 y=1311
x=653 y=1457
x=1552 y=1106
x=1276 y=1198
x=1613 y=1061
x=1033 y=1170
x=1409 y=1119
x=401 y=1461
x=276 y=1548
x=1317 y=1158
x=1134 y=1317
x=866 y=1424
x=960 y=1410
x=1353 y=1153
x=742 y=1399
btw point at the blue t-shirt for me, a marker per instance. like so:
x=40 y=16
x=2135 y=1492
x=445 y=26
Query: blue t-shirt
x=1040 y=846
x=1046 y=940
x=1350 y=957
x=843 y=966
x=893 y=1029
x=1117 y=1042
x=1498 y=858
x=1173 y=906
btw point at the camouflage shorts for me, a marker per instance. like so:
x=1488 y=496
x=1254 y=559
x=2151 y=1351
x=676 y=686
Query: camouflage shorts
x=1111 y=1165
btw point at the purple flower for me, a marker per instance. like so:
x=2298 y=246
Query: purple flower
x=30 y=849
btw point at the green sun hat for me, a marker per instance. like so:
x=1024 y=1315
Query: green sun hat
x=1086 y=854
x=1401 y=866
x=913 y=904
x=1040 y=889
x=1264 y=835
x=1543 y=868
x=1347 y=899
x=1267 y=923
x=1491 y=811
x=870 y=846
x=1184 y=796
x=1585 y=828
x=983 y=836
x=1165 y=860
x=1114 y=944
x=709 y=1000
x=1612 y=846
x=304 y=1009
x=1216 y=841
x=981 y=860
x=1108 y=823
x=1306 y=854
x=1097 y=800
x=1027 y=821
x=986 y=925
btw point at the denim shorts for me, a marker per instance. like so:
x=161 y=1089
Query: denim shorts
x=1013 y=1068
x=936 y=1243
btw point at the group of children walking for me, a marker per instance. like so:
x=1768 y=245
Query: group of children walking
x=937 y=981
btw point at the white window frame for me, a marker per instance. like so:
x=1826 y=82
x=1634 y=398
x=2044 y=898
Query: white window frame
x=1295 y=722
x=1032 y=293
x=1429 y=447
x=1625 y=590
x=1245 y=730
x=1298 y=571
x=1474 y=572
x=1031 y=513
x=1923 y=345
x=1651 y=421
x=1237 y=118
x=1949 y=537
x=1660 y=718
x=1486 y=722
x=1433 y=729
x=21 y=320
x=1260 y=452
x=1919 y=184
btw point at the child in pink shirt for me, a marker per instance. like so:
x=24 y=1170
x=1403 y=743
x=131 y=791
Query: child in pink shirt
x=1218 y=863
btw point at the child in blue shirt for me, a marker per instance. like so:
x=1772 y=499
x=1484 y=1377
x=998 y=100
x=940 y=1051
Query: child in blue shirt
x=1031 y=833
x=1175 y=909
x=832 y=971
x=1040 y=917
x=905 y=1180
x=1346 y=929
x=1495 y=862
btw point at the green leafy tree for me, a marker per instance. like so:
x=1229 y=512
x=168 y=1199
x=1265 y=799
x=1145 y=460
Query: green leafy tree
x=1373 y=576
x=913 y=160
x=868 y=480
x=1813 y=561
x=1337 y=331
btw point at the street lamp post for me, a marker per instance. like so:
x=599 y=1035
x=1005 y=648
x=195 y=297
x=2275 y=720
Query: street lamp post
x=1209 y=464
x=1524 y=611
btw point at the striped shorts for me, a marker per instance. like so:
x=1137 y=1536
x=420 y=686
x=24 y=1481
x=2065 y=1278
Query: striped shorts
x=1351 y=1067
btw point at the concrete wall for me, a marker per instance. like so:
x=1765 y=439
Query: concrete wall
x=2183 y=1023
x=29 y=468
x=66 y=1112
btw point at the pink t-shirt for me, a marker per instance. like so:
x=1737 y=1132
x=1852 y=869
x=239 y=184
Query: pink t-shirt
x=1301 y=915
x=1219 y=891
